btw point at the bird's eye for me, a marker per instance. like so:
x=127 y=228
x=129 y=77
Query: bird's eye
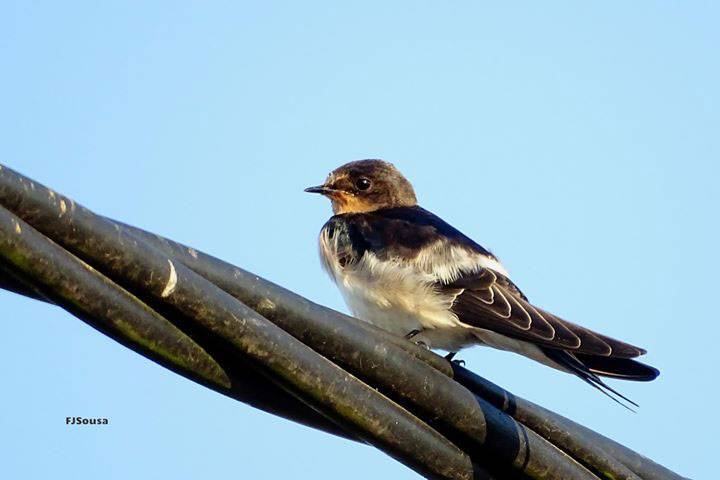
x=362 y=184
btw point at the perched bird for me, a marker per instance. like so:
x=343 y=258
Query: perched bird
x=407 y=271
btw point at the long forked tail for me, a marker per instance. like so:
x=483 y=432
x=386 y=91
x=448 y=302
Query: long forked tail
x=590 y=367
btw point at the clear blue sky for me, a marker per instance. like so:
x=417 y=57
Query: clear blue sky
x=579 y=143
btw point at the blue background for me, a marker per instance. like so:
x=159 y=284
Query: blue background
x=579 y=143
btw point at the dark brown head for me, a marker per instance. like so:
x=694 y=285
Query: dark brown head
x=365 y=186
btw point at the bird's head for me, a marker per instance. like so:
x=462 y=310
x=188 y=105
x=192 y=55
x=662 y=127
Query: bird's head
x=366 y=186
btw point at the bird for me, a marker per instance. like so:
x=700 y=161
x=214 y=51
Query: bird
x=407 y=271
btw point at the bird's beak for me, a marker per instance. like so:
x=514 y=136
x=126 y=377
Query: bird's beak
x=321 y=189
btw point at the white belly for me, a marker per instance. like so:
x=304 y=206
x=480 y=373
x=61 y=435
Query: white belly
x=400 y=300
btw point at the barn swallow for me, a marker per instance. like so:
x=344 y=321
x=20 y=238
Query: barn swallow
x=407 y=271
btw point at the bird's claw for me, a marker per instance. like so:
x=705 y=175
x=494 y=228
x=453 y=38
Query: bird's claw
x=411 y=334
x=450 y=357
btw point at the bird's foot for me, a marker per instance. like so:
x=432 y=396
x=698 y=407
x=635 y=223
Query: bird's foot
x=450 y=357
x=411 y=334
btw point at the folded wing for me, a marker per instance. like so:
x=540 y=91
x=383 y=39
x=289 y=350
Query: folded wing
x=489 y=300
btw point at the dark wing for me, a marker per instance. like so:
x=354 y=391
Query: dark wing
x=489 y=300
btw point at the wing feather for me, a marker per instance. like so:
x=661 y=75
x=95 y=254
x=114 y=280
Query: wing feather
x=489 y=300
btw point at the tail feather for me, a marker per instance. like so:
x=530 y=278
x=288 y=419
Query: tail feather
x=620 y=368
x=589 y=367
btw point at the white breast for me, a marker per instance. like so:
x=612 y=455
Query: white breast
x=399 y=295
